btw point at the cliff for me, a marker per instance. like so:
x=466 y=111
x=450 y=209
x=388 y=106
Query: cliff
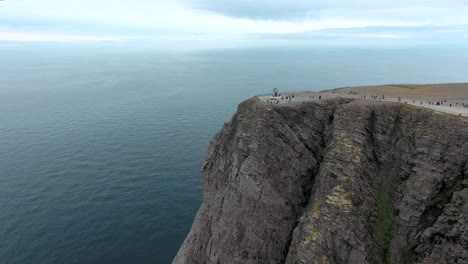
x=334 y=181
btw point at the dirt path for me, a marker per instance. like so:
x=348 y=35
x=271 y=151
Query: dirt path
x=446 y=98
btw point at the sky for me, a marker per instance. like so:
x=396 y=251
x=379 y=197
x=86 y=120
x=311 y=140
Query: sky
x=236 y=21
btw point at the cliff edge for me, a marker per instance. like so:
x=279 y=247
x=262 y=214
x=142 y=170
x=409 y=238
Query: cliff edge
x=334 y=181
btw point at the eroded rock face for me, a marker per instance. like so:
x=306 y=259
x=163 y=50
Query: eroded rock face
x=335 y=181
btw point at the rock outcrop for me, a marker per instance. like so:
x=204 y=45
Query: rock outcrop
x=334 y=181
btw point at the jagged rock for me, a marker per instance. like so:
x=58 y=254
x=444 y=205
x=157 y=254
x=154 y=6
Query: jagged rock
x=335 y=181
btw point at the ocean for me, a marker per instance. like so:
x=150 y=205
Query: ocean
x=101 y=145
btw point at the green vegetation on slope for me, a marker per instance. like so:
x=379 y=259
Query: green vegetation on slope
x=405 y=86
x=255 y=99
x=385 y=223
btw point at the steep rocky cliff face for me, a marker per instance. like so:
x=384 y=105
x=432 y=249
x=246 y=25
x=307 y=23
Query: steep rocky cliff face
x=334 y=181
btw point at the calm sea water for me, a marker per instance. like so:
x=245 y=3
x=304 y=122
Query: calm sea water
x=101 y=146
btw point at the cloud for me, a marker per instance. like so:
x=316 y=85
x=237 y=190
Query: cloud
x=57 y=19
x=179 y=18
x=298 y=9
x=40 y=37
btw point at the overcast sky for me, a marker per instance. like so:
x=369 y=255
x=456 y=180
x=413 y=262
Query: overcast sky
x=241 y=20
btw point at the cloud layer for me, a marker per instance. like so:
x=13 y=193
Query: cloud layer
x=154 y=18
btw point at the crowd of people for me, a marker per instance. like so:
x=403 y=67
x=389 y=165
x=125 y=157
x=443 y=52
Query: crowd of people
x=436 y=103
x=275 y=99
x=455 y=104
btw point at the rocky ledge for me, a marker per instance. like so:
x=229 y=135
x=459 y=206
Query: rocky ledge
x=335 y=181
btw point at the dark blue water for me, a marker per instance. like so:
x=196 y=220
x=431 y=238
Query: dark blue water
x=101 y=147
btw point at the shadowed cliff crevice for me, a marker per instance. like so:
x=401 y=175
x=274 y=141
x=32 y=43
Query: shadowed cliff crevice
x=307 y=188
x=334 y=181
